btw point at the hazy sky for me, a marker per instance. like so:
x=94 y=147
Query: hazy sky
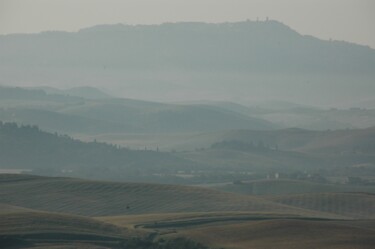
x=351 y=20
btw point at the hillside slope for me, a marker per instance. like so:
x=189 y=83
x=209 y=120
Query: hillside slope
x=287 y=186
x=356 y=205
x=66 y=113
x=346 y=141
x=94 y=198
x=24 y=223
x=29 y=148
x=286 y=234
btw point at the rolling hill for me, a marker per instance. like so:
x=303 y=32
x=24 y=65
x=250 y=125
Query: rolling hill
x=285 y=234
x=288 y=186
x=95 y=198
x=346 y=141
x=254 y=155
x=23 y=223
x=356 y=205
x=288 y=152
x=53 y=121
x=42 y=212
x=159 y=118
x=29 y=148
x=68 y=113
x=287 y=114
x=337 y=141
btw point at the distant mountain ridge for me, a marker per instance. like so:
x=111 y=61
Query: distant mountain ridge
x=254 y=46
x=190 y=61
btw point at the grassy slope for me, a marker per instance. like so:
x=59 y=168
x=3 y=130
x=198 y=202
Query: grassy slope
x=34 y=222
x=282 y=187
x=356 y=205
x=211 y=217
x=178 y=220
x=21 y=228
x=17 y=220
x=95 y=198
x=285 y=234
x=9 y=209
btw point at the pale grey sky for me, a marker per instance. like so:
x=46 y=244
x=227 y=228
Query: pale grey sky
x=350 y=20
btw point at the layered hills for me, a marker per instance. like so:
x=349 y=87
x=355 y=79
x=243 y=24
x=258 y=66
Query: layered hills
x=208 y=157
x=198 y=142
x=68 y=113
x=241 y=61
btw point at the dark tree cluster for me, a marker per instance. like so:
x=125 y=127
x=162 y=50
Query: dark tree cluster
x=27 y=147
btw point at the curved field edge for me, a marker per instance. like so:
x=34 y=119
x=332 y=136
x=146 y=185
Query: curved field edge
x=182 y=220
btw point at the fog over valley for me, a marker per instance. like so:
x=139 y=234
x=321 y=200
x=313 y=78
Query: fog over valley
x=172 y=124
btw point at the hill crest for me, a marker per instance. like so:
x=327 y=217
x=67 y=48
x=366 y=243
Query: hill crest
x=158 y=57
